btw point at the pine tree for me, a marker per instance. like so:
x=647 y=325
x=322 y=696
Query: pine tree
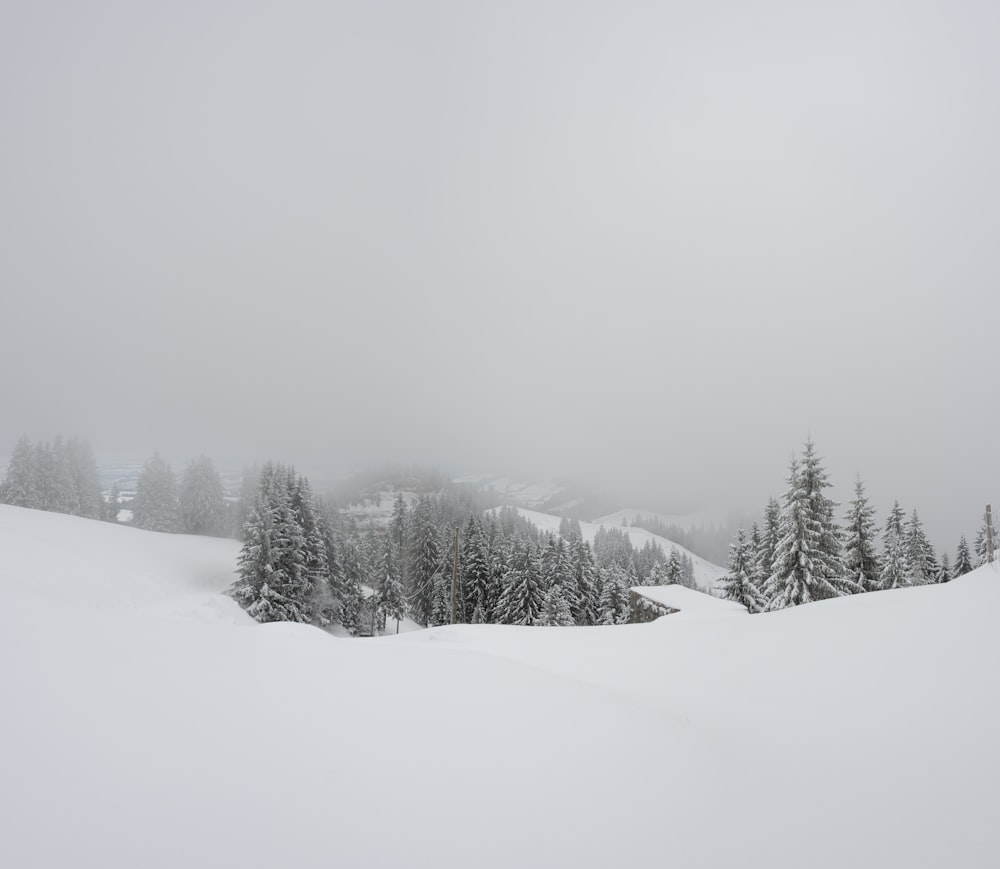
x=674 y=571
x=769 y=541
x=586 y=603
x=895 y=571
x=86 y=488
x=500 y=559
x=614 y=596
x=944 y=572
x=316 y=569
x=399 y=528
x=757 y=576
x=273 y=582
x=555 y=609
x=860 y=560
x=807 y=563
x=155 y=505
x=424 y=561
x=21 y=486
x=687 y=571
x=202 y=503
x=982 y=543
x=738 y=585
x=963 y=559
x=350 y=575
x=475 y=570
x=391 y=595
x=521 y=600
x=920 y=559
x=249 y=482
x=55 y=478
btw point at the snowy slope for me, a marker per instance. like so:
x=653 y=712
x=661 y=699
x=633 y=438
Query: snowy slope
x=706 y=574
x=685 y=521
x=514 y=491
x=148 y=723
x=690 y=603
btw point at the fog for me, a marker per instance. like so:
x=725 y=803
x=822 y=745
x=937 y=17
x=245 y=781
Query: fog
x=652 y=245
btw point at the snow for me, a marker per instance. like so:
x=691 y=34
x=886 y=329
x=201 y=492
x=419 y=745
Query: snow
x=684 y=521
x=690 y=602
x=377 y=510
x=516 y=491
x=148 y=722
x=706 y=574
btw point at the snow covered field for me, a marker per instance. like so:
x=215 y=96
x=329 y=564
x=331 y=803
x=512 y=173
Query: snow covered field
x=148 y=722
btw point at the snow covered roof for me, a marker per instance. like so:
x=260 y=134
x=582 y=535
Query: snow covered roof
x=687 y=600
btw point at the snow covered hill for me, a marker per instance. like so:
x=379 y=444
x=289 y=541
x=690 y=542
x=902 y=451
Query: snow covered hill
x=147 y=722
x=685 y=521
x=706 y=574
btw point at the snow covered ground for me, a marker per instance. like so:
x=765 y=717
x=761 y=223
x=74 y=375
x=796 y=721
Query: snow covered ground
x=148 y=722
x=706 y=574
x=689 y=602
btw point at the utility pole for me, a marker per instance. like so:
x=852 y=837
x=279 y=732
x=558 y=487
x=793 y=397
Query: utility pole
x=454 y=576
x=989 y=533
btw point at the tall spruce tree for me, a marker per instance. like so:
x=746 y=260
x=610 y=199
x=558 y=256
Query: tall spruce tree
x=521 y=600
x=155 y=504
x=21 y=486
x=273 y=583
x=586 y=599
x=201 y=501
x=614 y=596
x=392 y=598
x=895 y=571
x=87 y=500
x=860 y=559
x=475 y=570
x=424 y=561
x=921 y=561
x=807 y=562
x=770 y=536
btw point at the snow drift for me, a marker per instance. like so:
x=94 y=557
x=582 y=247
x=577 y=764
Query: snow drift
x=148 y=722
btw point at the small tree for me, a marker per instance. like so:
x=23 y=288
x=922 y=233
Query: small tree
x=738 y=584
x=963 y=559
x=944 y=573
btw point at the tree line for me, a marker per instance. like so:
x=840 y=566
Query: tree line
x=303 y=560
x=799 y=552
x=61 y=476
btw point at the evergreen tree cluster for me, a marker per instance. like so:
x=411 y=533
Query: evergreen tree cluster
x=297 y=563
x=195 y=505
x=800 y=553
x=710 y=541
x=59 y=476
x=507 y=571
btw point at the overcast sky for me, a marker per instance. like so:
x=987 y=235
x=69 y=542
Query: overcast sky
x=654 y=243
